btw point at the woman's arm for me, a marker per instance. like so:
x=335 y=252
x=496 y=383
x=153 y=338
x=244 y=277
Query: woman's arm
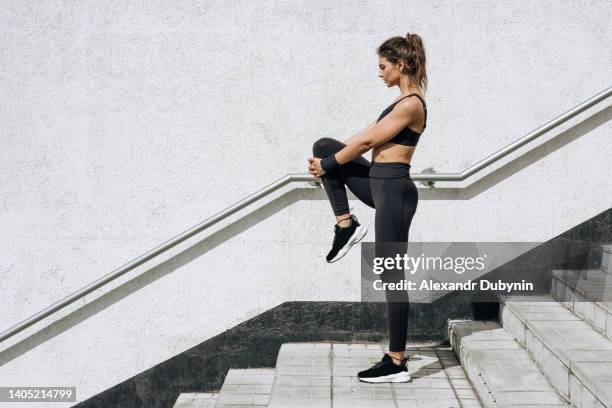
x=404 y=113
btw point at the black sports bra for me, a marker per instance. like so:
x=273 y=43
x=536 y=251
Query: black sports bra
x=406 y=136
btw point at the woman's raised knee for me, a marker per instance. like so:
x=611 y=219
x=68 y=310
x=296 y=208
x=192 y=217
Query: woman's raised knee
x=325 y=146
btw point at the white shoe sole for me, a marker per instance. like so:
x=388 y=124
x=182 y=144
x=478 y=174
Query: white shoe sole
x=357 y=236
x=399 y=377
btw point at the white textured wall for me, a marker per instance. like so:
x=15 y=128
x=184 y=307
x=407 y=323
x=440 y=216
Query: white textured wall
x=124 y=123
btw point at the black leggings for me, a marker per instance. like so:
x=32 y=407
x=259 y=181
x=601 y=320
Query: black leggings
x=388 y=188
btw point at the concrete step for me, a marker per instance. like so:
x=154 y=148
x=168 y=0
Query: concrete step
x=500 y=370
x=325 y=375
x=575 y=358
x=246 y=388
x=196 y=400
x=588 y=294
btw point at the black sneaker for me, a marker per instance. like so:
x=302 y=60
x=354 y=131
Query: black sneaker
x=386 y=371
x=345 y=238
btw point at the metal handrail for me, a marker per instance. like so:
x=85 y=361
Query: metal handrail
x=428 y=177
x=514 y=145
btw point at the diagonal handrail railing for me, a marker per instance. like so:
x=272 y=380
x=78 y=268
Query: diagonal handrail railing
x=427 y=177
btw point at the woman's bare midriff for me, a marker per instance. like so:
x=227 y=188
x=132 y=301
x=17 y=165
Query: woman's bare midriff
x=392 y=152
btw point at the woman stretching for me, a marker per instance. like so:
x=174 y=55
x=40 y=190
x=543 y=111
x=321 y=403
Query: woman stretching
x=384 y=184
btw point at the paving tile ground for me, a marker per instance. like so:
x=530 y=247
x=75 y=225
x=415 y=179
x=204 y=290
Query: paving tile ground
x=325 y=375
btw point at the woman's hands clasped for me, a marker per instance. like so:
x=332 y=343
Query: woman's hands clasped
x=314 y=167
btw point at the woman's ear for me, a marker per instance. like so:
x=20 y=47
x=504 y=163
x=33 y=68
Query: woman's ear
x=400 y=65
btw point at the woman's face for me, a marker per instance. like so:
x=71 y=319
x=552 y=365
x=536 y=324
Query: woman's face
x=388 y=72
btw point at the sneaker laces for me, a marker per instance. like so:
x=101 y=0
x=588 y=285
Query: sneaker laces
x=338 y=227
x=379 y=364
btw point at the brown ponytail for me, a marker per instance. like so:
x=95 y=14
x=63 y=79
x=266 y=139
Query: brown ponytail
x=409 y=49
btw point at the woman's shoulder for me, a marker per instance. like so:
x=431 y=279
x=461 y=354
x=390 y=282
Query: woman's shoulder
x=411 y=94
x=411 y=101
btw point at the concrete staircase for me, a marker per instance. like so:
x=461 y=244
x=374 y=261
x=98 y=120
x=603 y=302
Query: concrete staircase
x=552 y=351
x=324 y=375
x=500 y=370
x=549 y=351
